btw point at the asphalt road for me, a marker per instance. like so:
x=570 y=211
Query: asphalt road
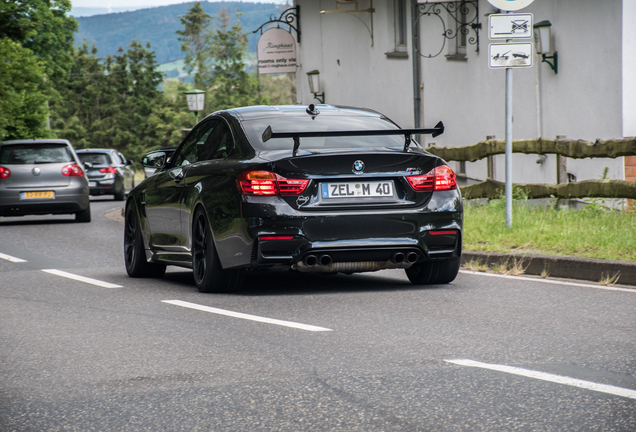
x=366 y=352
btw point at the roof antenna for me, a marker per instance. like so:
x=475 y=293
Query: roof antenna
x=311 y=110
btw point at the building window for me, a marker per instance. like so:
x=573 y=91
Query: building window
x=400 y=25
x=457 y=50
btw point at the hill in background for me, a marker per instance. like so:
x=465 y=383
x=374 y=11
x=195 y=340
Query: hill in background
x=158 y=26
x=90 y=11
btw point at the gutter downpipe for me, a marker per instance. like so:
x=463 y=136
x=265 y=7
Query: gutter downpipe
x=415 y=45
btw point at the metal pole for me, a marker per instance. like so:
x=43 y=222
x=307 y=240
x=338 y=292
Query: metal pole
x=509 y=144
x=416 y=65
x=508 y=147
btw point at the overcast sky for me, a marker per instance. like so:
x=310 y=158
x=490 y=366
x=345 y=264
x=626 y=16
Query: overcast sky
x=144 y=3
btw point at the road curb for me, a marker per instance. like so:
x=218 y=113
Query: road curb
x=568 y=267
x=115 y=214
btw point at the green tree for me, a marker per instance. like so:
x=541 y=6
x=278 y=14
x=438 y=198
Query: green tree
x=44 y=27
x=23 y=93
x=82 y=112
x=231 y=85
x=114 y=103
x=40 y=53
x=195 y=42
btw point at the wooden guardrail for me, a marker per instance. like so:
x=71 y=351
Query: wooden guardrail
x=576 y=149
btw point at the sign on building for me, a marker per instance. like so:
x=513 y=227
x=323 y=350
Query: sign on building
x=276 y=52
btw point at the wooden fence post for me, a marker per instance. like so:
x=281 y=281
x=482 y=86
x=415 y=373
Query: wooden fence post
x=491 y=161
x=562 y=173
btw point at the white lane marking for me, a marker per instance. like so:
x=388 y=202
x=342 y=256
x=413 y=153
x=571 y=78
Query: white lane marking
x=549 y=281
x=559 y=379
x=12 y=259
x=82 y=278
x=246 y=316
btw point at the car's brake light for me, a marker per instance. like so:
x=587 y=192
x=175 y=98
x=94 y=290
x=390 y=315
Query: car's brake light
x=72 y=170
x=276 y=237
x=5 y=173
x=268 y=183
x=443 y=232
x=437 y=179
x=291 y=187
x=257 y=183
x=111 y=170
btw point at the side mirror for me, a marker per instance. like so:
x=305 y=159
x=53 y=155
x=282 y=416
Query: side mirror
x=129 y=162
x=153 y=162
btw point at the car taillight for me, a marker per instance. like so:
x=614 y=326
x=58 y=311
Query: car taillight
x=5 y=173
x=72 y=170
x=443 y=232
x=276 y=237
x=268 y=183
x=291 y=187
x=111 y=170
x=437 y=179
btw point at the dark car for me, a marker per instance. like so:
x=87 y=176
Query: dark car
x=42 y=176
x=156 y=158
x=313 y=189
x=108 y=171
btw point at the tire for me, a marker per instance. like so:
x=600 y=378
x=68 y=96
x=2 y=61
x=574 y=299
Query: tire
x=134 y=253
x=433 y=272
x=209 y=276
x=83 y=216
x=121 y=195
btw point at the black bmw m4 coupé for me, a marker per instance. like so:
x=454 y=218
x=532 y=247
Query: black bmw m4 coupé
x=318 y=189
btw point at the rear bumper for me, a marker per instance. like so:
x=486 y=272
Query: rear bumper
x=12 y=205
x=372 y=240
x=106 y=187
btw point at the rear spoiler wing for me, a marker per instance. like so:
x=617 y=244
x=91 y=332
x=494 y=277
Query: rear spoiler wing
x=269 y=134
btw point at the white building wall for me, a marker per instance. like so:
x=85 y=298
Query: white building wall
x=585 y=100
x=629 y=68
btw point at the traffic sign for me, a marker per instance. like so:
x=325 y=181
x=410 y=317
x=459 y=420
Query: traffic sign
x=510 y=26
x=510 y=5
x=510 y=55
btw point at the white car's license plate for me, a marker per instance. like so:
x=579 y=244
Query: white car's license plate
x=357 y=189
x=38 y=194
x=92 y=184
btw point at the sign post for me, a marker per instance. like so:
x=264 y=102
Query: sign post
x=509 y=26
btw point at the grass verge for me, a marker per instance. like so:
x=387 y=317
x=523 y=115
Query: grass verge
x=593 y=232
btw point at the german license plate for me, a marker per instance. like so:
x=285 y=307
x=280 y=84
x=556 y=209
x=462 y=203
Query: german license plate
x=92 y=184
x=38 y=195
x=357 y=189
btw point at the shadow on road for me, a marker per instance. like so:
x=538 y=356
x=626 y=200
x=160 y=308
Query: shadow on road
x=274 y=283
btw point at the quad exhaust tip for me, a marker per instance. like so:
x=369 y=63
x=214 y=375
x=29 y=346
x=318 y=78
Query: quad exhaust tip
x=325 y=260
x=311 y=260
x=398 y=258
x=412 y=257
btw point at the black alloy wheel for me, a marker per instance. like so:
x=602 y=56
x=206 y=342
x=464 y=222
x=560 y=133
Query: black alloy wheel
x=433 y=272
x=209 y=275
x=134 y=253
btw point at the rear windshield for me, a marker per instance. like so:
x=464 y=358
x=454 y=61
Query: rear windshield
x=94 y=158
x=36 y=153
x=255 y=129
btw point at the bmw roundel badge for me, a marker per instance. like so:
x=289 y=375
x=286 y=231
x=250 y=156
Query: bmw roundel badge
x=358 y=167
